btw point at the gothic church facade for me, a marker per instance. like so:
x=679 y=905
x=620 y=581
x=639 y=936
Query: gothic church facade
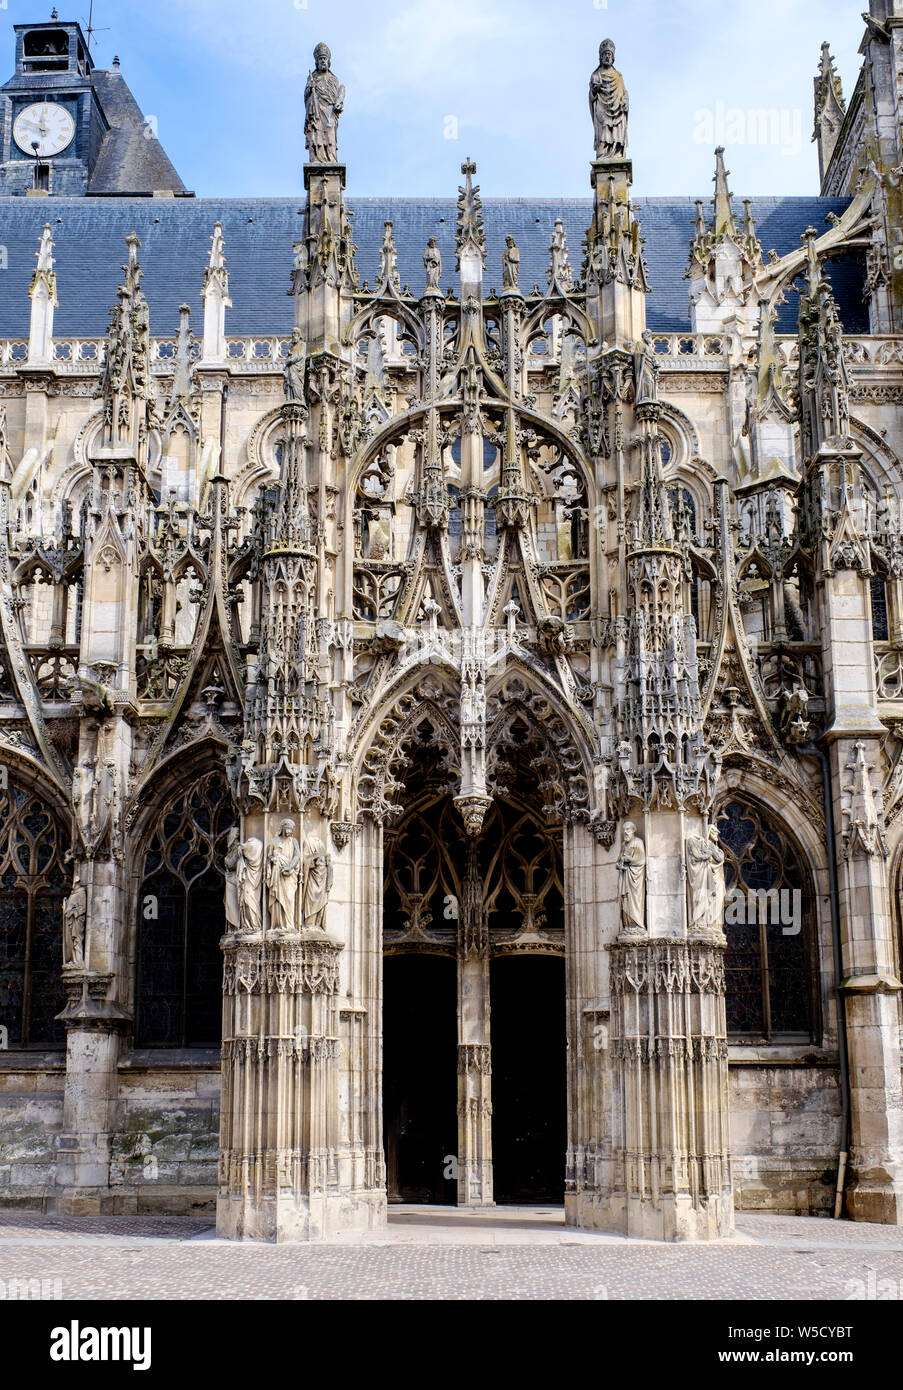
x=451 y=737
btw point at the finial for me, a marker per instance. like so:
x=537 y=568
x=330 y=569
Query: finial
x=388 y=261
x=45 y=250
x=561 y=277
x=217 y=258
x=184 y=366
x=469 y=232
x=724 y=214
x=809 y=238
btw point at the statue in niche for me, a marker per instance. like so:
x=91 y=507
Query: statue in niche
x=317 y=884
x=83 y=796
x=232 y=865
x=293 y=375
x=632 y=881
x=432 y=263
x=244 y=870
x=510 y=264
x=75 y=926
x=324 y=97
x=609 y=105
x=249 y=885
x=705 y=878
x=645 y=370
x=283 y=873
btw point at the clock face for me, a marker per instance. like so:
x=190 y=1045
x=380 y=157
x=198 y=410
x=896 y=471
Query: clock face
x=46 y=124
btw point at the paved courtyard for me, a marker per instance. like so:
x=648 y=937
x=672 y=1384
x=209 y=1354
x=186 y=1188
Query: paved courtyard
x=439 y=1253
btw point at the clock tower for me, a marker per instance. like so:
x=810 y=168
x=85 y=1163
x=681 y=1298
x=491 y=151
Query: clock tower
x=70 y=129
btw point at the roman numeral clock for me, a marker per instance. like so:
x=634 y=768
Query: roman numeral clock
x=44 y=129
x=53 y=122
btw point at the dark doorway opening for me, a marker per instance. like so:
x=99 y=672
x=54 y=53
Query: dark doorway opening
x=420 y=1095
x=529 y=1079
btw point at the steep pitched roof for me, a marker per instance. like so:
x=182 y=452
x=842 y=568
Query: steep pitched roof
x=89 y=248
x=131 y=158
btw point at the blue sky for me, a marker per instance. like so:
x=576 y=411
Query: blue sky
x=225 y=80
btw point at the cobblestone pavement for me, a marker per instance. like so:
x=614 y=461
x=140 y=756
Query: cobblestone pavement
x=442 y=1254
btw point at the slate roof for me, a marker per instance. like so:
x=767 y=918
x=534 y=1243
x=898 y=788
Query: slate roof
x=89 y=236
x=131 y=158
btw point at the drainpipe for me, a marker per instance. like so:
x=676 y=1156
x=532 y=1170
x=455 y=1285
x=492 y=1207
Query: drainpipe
x=810 y=750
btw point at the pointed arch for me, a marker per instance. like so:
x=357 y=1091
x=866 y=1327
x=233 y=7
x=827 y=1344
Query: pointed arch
x=35 y=836
x=179 y=916
x=778 y=977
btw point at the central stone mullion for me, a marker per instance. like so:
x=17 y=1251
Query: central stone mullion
x=474 y=1053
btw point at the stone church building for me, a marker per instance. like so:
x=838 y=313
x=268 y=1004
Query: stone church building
x=451 y=678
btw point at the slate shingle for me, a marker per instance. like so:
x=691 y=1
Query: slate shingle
x=89 y=235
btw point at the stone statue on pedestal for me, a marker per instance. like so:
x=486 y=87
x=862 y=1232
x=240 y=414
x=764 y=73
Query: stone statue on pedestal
x=609 y=105
x=244 y=870
x=705 y=878
x=317 y=883
x=75 y=926
x=510 y=264
x=293 y=375
x=324 y=97
x=432 y=264
x=283 y=872
x=632 y=881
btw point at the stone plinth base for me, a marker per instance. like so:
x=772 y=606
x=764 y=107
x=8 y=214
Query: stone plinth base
x=671 y=1218
x=283 y=1217
x=883 y=1204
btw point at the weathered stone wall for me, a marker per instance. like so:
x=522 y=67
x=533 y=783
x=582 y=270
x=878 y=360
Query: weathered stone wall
x=785 y=1132
x=785 y=1137
x=31 y=1114
x=166 y=1141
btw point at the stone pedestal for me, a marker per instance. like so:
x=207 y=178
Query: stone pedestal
x=671 y=1178
x=92 y=1051
x=279 y=1128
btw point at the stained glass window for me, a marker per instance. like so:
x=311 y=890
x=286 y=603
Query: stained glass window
x=768 y=924
x=181 y=917
x=880 y=629
x=33 y=885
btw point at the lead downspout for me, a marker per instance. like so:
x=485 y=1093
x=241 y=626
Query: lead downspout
x=839 y=999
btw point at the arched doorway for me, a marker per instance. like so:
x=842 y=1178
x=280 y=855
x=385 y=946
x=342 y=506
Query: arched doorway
x=473 y=1001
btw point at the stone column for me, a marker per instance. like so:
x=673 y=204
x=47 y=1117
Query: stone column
x=669 y=1048
x=278 y=1176
x=474 y=1054
x=837 y=530
x=668 y=1177
x=590 y=914
x=616 y=278
x=94 y=1028
x=870 y=984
